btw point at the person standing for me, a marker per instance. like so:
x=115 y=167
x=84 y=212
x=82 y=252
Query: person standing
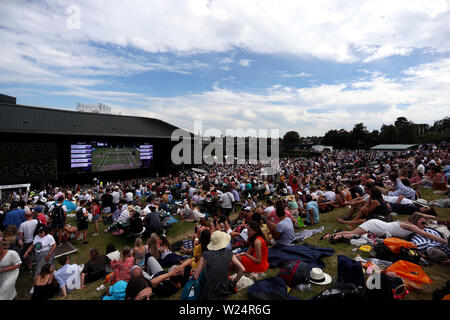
x=9 y=271
x=95 y=208
x=26 y=232
x=15 y=216
x=44 y=246
x=58 y=215
x=82 y=222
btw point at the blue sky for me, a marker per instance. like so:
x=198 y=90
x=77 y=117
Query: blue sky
x=291 y=65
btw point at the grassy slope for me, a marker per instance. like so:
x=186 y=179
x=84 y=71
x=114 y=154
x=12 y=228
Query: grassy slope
x=438 y=273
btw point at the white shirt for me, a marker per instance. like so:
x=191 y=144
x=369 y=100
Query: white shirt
x=63 y=206
x=129 y=196
x=269 y=209
x=27 y=228
x=421 y=169
x=43 y=244
x=116 y=197
x=330 y=195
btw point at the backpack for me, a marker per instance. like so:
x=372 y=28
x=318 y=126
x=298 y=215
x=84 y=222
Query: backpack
x=39 y=226
x=193 y=288
x=57 y=213
x=390 y=289
x=295 y=272
x=350 y=271
x=80 y=215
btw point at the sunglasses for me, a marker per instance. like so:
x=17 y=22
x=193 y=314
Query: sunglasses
x=423 y=223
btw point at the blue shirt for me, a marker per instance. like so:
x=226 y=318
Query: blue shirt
x=407 y=192
x=237 y=198
x=62 y=275
x=286 y=228
x=315 y=208
x=117 y=291
x=15 y=217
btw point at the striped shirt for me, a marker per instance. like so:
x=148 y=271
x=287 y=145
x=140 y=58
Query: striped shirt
x=424 y=243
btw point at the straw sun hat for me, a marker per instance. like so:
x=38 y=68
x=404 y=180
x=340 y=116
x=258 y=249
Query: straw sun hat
x=219 y=240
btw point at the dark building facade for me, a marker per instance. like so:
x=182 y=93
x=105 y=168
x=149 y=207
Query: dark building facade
x=35 y=143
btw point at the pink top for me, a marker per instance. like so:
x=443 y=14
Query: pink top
x=122 y=269
x=273 y=215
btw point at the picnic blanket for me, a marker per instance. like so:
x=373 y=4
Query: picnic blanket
x=304 y=252
x=304 y=234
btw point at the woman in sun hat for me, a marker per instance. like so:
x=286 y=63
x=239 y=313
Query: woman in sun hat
x=216 y=262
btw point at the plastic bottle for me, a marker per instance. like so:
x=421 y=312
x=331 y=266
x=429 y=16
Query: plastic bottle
x=304 y=287
x=379 y=262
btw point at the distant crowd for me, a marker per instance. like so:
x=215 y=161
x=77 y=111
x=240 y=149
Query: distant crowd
x=239 y=213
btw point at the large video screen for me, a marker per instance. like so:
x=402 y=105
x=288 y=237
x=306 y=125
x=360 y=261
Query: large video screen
x=106 y=156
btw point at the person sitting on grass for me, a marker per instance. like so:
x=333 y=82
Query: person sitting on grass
x=375 y=208
x=166 y=283
x=256 y=258
x=138 y=289
x=45 y=286
x=68 y=276
x=201 y=247
x=122 y=266
x=216 y=261
x=139 y=252
x=396 y=229
x=312 y=211
x=282 y=232
x=95 y=268
x=116 y=291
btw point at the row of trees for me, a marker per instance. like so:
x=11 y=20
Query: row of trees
x=402 y=131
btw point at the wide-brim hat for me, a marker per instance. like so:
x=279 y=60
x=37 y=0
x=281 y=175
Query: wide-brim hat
x=317 y=276
x=130 y=208
x=43 y=199
x=421 y=202
x=290 y=198
x=219 y=240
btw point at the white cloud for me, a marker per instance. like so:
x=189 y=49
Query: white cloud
x=422 y=95
x=38 y=48
x=245 y=62
x=297 y=75
x=387 y=51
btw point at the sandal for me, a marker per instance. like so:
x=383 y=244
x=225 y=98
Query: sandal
x=341 y=239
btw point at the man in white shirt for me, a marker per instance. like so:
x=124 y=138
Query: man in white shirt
x=26 y=233
x=226 y=202
x=420 y=168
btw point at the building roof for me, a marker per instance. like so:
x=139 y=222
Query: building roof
x=26 y=119
x=393 y=146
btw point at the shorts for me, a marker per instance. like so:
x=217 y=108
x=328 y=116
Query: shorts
x=106 y=210
x=226 y=211
x=95 y=217
x=30 y=258
x=57 y=225
x=82 y=226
